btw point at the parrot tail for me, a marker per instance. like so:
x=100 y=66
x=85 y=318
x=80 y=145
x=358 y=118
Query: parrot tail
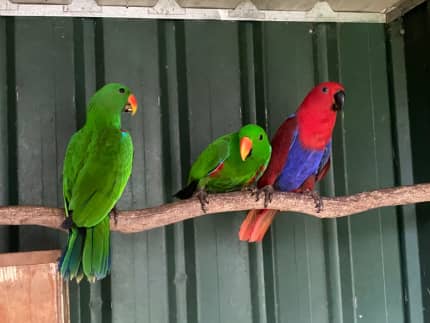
x=256 y=224
x=96 y=257
x=70 y=262
x=87 y=253
x=187 y=191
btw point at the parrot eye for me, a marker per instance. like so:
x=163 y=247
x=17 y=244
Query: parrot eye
x=324 y=89
x=121 y=90
x=261 y=137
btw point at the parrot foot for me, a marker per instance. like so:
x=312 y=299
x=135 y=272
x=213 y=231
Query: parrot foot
x=202 y=195
x=268 y=194
x=67 y=223
x=114 y=213
x=319 y=205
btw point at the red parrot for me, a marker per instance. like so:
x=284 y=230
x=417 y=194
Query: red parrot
x=300 y=154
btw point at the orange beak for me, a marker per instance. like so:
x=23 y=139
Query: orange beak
x=131 y=104
x=245 y=147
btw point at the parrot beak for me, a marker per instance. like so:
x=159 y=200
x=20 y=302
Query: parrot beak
x=131 y=105
x=339 y=100
x=245 y=147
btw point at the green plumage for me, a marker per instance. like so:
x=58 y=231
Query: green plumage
x=97 y=166
x=220 y=168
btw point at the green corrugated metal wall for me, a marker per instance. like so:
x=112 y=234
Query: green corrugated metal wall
x=417 y=52
x=195 y=81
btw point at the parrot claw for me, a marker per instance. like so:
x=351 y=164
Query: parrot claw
x=268 y=194
x=67 y=223
x=319 y=205
x=114 y=213
x=202 y=195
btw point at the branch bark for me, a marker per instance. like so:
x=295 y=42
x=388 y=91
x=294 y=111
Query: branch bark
x=154 y=217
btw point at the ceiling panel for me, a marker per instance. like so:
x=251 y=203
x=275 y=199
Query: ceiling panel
x=258 y=10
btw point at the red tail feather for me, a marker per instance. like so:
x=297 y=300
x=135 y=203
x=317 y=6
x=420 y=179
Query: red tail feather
x=256 y=224
x=247 y=225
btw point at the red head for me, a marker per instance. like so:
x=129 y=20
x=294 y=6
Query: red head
x=316 y=115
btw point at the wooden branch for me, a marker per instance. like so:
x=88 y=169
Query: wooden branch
x=141 y=220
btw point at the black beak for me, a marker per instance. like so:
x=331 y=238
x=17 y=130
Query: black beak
x=339 y=100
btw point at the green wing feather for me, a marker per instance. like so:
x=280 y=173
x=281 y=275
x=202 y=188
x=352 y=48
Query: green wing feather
x=100 y=177
x=211 y=157
x=73 y=161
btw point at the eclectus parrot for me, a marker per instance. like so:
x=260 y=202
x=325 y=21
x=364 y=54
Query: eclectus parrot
x=301 y=154
x=97 y=166
x=231 y=162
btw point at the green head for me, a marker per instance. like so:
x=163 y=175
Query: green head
x=107 y=104
x=254 y=143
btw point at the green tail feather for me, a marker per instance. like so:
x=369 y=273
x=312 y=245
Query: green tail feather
x=87 y=253
x=70 y=264
x=96 y=253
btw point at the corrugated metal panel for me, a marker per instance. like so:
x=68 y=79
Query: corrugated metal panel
x=372 y=241
x=411 y=271
x=196 y=81
x=4 y=179
x=417 y=52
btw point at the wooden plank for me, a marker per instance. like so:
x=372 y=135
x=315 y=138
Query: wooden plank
x=31 y=289
x=29 y=258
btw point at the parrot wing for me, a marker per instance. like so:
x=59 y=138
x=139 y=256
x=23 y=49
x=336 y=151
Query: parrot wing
x=96 y=178
x=281 y=144
x=325 y=163
x=74 y=159
x=208 y=163
x=211 y=159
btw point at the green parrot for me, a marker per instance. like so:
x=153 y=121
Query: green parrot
x=232 y=162
x=97 y=166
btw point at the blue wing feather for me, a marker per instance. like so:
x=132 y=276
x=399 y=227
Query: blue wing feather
x=301 y=164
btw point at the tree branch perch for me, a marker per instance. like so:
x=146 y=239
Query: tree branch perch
x=145 y=219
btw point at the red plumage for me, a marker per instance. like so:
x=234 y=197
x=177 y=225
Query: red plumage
x=315 y=116
x=281 y=142
x=216 y=170
x=314 y=121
